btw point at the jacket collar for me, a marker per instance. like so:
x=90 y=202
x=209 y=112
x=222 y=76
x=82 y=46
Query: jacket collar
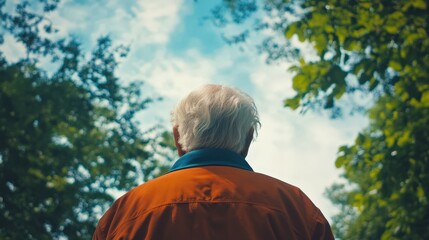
x=211 y=157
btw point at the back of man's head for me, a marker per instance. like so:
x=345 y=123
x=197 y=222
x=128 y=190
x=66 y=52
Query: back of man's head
x=215 y=116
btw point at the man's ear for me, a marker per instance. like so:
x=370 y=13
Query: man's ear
x=176 y=135
x=249 y=139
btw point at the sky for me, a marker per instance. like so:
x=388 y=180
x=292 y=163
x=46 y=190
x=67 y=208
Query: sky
x=174 y=51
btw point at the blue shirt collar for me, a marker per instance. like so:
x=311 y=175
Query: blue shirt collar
x=211 y=157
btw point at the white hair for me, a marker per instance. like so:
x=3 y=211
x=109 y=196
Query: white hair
x=215 y=116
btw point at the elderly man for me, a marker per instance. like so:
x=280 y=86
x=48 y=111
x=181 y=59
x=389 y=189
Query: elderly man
x=211 y=192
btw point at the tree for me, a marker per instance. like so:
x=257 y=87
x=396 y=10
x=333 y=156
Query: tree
x=389 y=168
x=67 y=135
x=376 y=49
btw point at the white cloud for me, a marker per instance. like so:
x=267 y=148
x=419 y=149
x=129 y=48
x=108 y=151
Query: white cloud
x=170 y=77
x=173 y=76
x=155 y=20
x=12 y=50
x=145 y=22
x=68 y=17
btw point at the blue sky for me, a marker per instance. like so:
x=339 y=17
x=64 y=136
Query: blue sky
x=173 y=51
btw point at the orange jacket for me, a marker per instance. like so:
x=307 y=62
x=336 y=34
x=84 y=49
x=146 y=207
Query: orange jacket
x=213 y=194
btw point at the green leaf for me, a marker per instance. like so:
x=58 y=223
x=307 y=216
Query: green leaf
x=352 y=45
x=395 y=65
x=373 y=83
x=395 y=22
x=420 y=4
x=360 y=139
x=321 y=43
x=339 y=90
x=420 y=192
x=300 y=33
x=404 y=138
x=342 y=34
x=300 y=83
x=329 y=28
x=340 y=161
x=425 y=99
x=291 y=30
x=292 y=103
x=294 y=68
x=318 y=19
x=378 y=157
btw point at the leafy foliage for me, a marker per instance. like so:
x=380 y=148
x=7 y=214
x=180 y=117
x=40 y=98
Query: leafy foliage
x=389 y=167
x=68 y=136
x=361 y=46
x=379 y=49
